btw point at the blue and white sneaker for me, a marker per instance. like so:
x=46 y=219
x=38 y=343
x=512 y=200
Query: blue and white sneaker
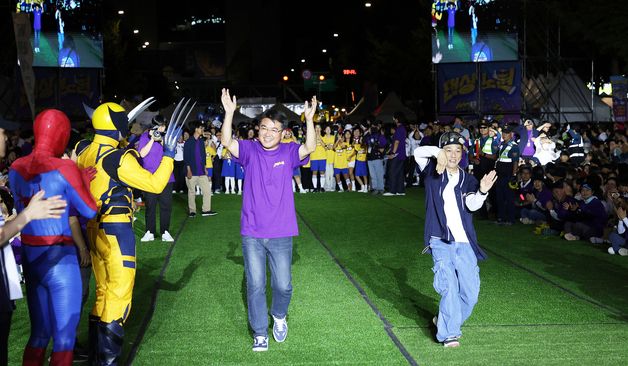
x=260 y=344
x=280 y=329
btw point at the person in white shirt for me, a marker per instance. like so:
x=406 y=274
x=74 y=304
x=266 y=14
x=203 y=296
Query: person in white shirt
x=451 y=196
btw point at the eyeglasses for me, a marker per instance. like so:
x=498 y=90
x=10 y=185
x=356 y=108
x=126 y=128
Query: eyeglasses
x=273 y=130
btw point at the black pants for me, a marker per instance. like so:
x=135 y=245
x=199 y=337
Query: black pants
x=165 y=208
x=306 y=178
x=217 y=175
x=179 y=176
x=505 y=200
x=396 y=176
x=5 y=327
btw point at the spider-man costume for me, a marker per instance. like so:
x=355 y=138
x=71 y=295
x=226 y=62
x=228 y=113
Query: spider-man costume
x=49 y=259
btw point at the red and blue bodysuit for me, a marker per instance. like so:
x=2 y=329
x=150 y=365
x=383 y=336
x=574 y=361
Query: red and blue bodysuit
x=49 y=258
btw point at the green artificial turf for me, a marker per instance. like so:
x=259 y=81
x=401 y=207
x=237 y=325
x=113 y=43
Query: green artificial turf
x=543 y=301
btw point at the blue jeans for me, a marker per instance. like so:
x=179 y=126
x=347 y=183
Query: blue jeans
x=279 y=253
x=376 y=171
x=533 y=214
x=617 y=241
x=457 y=281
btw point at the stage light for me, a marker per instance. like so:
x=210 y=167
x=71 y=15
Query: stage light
x=120 y=12
x=367 y=4
x=285 y=78
x=335 y=35
x=324 y=50
x=292 y=70
x=146 y=43
x=302 y=60
x=136 y=31
x=321 y=77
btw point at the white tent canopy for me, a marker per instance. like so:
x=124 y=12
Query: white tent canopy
x=393 y=104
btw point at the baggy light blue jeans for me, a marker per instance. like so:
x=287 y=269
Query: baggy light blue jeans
x=457 y=281
x=376 y=171
x=279 y=254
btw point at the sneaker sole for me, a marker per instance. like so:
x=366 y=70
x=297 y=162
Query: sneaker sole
x=260 y=349
x=452 y=344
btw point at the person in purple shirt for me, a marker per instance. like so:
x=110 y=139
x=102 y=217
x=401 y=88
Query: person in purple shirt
x=194 y=157
x=451 y=23
x=397 y=157
x=151 y=151
x=268 y=220
x=589 y=217
x=37 y=25
x=537 y=202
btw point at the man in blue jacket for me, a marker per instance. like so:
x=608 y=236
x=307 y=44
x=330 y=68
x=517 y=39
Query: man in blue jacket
x=194 y=158
x=451 y=196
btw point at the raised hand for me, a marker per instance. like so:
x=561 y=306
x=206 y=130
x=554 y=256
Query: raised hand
x=441 y=162
x=487 y=181
x=310 y=109
x=228 y=102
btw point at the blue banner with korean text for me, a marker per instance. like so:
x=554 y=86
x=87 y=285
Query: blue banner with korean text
x=488 y=88
x=500 y=87
x=458 y=88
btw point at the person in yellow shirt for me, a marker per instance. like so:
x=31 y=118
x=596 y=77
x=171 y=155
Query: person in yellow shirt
x=361 y=170
x=318 y=160
x=329 y=140
x=341 y=161
x=350 y=157
x=210 y=154
x=287 y=138
x=228 y=171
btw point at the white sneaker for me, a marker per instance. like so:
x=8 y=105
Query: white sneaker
x=623 y=252
x=571 y=237
x=260 y=344
x=239 y=193
x=280 y=329
x=166 y=236
x=596 y=240
x=388 y=194
x=148 y=236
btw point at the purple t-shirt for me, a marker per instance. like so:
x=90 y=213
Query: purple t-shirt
x=528 y=150
x=400 y=135
x=268 y=202
x=451 y=17
x=152 y=160
x=37 y=19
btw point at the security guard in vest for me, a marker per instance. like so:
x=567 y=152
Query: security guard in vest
x=506 y=168
x=576 y=147
x=484 y=154
x=110 y=233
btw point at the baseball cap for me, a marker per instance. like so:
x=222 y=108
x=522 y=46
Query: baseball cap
x=451 y=138
x=507 y=129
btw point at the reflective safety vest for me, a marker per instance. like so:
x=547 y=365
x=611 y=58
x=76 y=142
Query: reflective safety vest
x=487 y=148
x=503 y=155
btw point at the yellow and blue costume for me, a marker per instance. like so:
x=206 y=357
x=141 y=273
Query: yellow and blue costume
x=110 y=233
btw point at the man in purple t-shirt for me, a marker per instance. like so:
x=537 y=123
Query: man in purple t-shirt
x=268 y=220
x=397 y=158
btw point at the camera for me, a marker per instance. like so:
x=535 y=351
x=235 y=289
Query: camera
x=156 y=134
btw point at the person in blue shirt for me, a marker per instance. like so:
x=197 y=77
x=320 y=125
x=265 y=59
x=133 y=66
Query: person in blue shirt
x=451 y=195
x=68 y=55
